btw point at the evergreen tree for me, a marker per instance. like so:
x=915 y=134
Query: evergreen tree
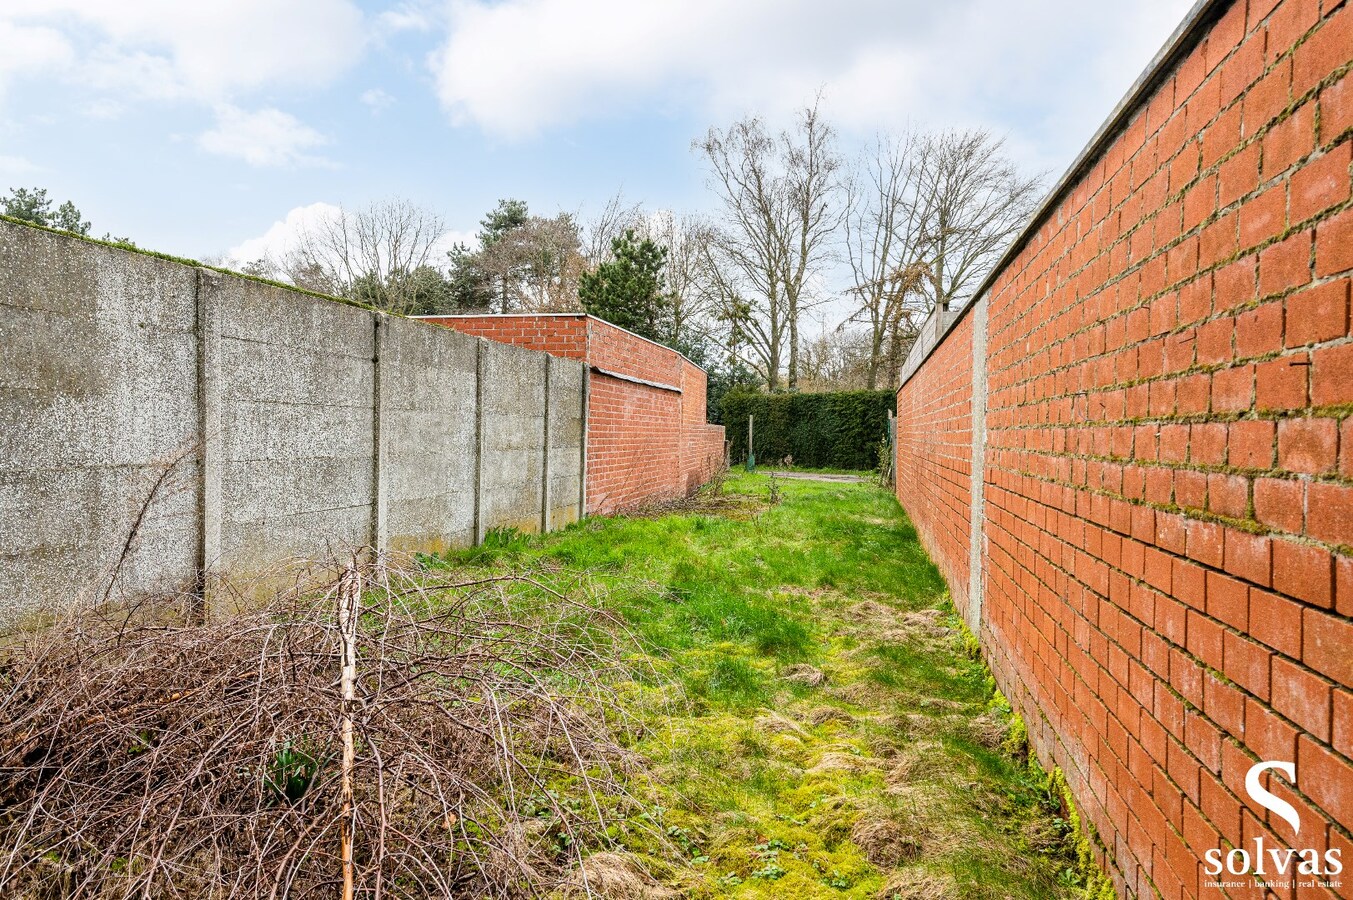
x=67 y=218
x=36 y=207
x=630 y=289
x=469 y=285
x=507 y=215
x=472 y=283
x=523 y=262
x=426 y=292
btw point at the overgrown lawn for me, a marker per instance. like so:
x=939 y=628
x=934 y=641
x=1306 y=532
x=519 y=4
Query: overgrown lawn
x=812 y=721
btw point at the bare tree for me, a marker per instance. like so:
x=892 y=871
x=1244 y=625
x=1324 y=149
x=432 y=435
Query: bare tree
x=886 y=237
x=745 y=255
x=928 y=217
x=687 y=240
x=814 y=215
x=836 y=360
x=599 y=232
x=381 y=244
x=779 y=214
x=978 y=201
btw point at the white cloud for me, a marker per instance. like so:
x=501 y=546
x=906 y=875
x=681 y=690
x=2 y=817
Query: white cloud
x=268 y=137
x=516 y=67
x=103 y=108
x=208 y=49
x=408 y=16
x=17 y=165
x=34 y=50
x=281 y=238
x=377 y=99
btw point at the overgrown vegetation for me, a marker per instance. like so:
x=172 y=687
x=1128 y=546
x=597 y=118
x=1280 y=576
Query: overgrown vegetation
x=473 y=750
x=759 y=692
x=34 y=207
x=838 y=430
x=816 y=721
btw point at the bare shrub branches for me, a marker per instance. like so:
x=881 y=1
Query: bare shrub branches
x=208 y=760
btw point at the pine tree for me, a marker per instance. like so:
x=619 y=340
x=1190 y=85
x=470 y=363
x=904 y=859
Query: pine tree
x=36 y=207
x=630 y=290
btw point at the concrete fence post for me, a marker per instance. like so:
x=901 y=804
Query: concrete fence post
x=976 y=498
x=480 y=363
x=380 y=537
x=208 y=315
x=545 y=441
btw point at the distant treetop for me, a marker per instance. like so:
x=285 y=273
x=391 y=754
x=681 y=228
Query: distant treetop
x=35 y=206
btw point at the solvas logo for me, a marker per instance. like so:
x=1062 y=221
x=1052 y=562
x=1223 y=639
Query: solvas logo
x=1274 y=866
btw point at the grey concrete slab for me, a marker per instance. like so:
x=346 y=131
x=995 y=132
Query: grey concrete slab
x=292 y=427
x=513 y=424
x=97 y=399
x=428 y=382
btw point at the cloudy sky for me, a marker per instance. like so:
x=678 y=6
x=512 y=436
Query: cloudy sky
x=214 y=126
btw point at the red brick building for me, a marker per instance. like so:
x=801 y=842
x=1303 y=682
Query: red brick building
x=1132 y=457
x=647 y=438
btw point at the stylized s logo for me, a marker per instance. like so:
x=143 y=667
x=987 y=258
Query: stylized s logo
x=1276 y=805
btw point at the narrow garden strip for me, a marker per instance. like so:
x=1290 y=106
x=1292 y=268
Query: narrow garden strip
x=817 y=722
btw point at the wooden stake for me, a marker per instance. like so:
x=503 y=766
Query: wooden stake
x=751 y=453
x=349 y=597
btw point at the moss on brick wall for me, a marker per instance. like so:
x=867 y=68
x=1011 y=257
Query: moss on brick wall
x=839 y=430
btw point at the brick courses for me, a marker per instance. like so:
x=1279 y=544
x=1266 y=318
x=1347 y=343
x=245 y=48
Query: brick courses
x=934 y=425
x=1166 y=575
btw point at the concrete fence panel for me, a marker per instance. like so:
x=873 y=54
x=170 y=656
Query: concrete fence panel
x=296 y=399
x=228 y=427
x=428 y=384
x=566 y=425
x=512 y=434
x=98 y=362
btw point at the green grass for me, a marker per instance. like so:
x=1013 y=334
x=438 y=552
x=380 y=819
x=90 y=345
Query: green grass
x=889 y=778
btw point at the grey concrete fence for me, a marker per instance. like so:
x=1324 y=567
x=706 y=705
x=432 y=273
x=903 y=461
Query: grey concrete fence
x=161 y=424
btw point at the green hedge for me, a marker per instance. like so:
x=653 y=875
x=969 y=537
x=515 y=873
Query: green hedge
x=839 y=430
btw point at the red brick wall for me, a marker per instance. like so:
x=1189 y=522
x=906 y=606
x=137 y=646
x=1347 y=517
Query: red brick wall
x=702 y=451
x=934 y=450
x=559 y=335
x=633 y=444
x=1169 y=459
x=645 y=441
x=616 y=349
